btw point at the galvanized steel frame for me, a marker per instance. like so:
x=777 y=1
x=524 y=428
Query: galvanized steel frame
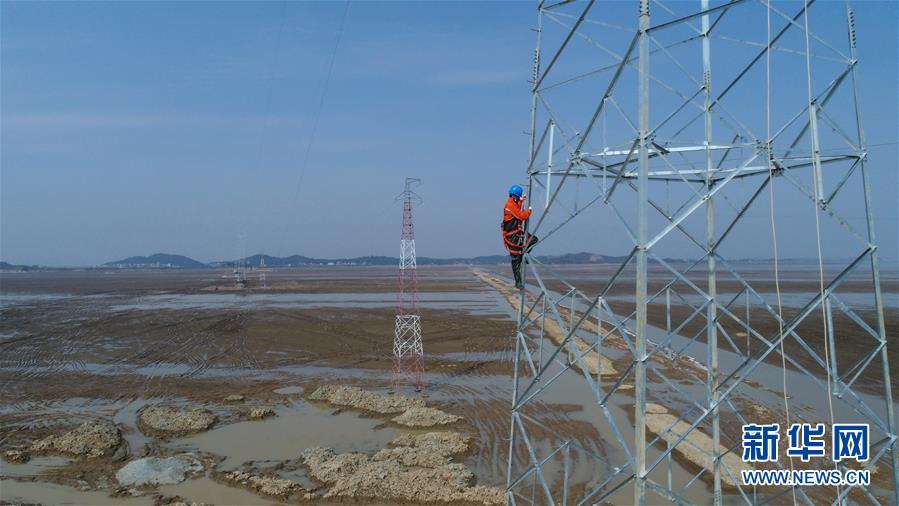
x=527 y=480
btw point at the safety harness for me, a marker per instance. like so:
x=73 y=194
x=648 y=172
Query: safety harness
x=513 y=226
x=513 y=235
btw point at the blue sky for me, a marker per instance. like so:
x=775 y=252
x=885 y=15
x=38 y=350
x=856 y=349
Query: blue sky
x=139 y=127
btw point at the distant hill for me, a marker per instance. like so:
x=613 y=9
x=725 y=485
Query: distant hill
x=300 y=260
x=270 y=261
x=6 y=266
x=171 y=261
x=157 y=261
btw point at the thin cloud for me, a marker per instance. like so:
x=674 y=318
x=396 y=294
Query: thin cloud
x=477 y=77
x=87 y=120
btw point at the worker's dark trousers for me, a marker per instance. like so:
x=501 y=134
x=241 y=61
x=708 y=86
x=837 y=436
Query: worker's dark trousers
x=516 y=260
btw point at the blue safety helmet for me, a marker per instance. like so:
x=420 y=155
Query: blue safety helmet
x=516 y=190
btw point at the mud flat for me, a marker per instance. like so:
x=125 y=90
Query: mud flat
x=94 y=346
x=164 y=361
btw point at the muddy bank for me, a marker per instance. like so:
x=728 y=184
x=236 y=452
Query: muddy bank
x=417 y=469
x=265 y=485
x=355 y=397
x=88 y=440
x=298 y=425
x=169 y=421
x=413 y=412
x=425 y=417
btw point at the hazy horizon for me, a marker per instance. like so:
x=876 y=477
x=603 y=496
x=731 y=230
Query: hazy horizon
x=888 y=265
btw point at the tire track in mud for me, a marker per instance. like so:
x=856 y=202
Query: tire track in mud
x=235 y=328
x=482 y=397
x=45 y=352
x=350 y=344
x=70 y=330
x=143 y=353
x=52 y=414
x=227 y=335
x=488 y=414
x=309 y=355
x=175 y=338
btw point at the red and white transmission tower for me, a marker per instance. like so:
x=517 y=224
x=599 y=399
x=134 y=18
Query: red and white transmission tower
x=408 y=354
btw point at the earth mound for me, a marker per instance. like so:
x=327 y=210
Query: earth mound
x=90 y=439
x=418 y=469
x=169 y=420
x=360 y=399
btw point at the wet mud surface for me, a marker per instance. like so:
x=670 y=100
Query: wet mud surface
x=156 y=354
x=178 y=364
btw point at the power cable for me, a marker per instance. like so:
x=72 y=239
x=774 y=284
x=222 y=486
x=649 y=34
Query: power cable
x=317 y=116
x=817 y=183
x=267 y=119
x=770 y=160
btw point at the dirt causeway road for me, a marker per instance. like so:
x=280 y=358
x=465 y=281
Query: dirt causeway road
x=160 y=387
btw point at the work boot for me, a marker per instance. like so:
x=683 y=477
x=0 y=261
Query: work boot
x=519 y=285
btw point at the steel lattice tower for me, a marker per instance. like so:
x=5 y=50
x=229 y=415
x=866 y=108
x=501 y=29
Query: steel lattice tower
x=408 y=354
x=642 y=134
x=263 y=283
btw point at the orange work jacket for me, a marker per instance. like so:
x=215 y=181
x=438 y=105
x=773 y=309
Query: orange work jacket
x=513 y=225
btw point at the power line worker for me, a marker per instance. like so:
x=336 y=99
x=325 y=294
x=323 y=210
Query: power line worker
x=514 y=223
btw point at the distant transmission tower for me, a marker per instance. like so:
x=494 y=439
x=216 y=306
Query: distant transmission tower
x=408 y=354
x=240 y=267
x=682 y=137
x=240 y=273
x=262 y=270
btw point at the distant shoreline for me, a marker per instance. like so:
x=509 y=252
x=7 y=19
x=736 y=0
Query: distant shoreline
x=253 y=262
